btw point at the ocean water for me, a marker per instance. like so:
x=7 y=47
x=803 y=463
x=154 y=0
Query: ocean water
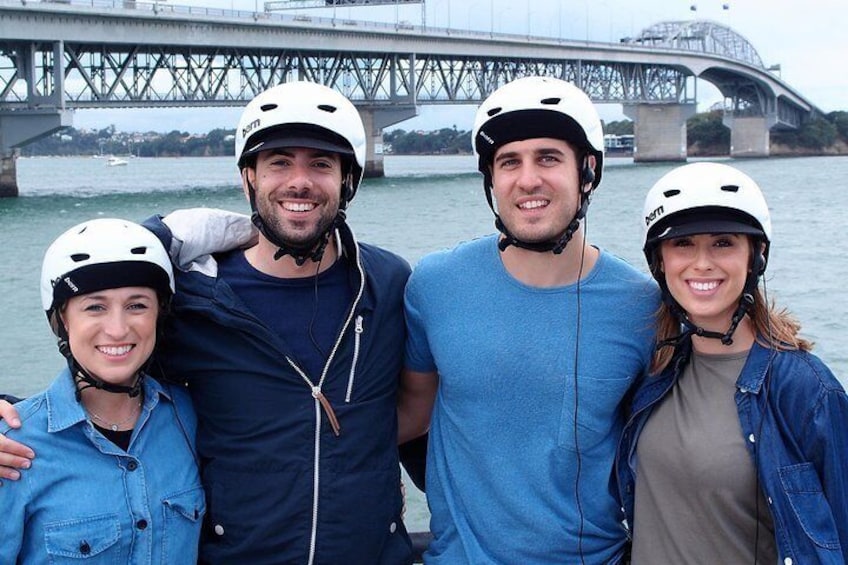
x=423 y=204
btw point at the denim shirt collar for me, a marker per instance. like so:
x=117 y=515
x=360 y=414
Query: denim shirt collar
x=63 y=410
x=754 y=372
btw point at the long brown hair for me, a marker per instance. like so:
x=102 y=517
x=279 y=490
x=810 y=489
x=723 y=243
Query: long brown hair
x=775 y=328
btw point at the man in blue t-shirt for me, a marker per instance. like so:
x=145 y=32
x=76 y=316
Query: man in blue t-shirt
x=523 y=345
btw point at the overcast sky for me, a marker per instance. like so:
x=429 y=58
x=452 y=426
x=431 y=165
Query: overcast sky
x=809 y=40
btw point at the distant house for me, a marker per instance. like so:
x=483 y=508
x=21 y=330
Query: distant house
x=619 y=144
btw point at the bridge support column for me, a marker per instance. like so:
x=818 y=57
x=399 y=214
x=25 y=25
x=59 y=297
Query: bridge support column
x=375 y=119
x=8 y=175
x=749 y=136
x=659 y=130
x=19 y=127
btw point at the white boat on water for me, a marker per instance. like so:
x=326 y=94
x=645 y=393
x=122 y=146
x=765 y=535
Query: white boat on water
x=116 y=161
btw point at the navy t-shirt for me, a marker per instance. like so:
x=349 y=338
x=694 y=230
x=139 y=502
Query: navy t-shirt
x=307 y=313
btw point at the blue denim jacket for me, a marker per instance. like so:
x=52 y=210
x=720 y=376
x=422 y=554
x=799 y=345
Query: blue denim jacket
x=796 y=416
x=85 y=500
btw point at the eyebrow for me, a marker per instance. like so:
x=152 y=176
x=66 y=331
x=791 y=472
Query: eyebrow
x=314 y=153
x=98 y=296
x=536 y=152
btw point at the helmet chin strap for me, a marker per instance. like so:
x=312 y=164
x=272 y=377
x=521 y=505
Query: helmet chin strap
x=556 y=246
x=746 y=302
x=312 y=250
x=84 y=380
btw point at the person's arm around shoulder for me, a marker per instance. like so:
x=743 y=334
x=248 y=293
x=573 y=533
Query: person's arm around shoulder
x=191 y=234
x=14 y=499
x=13 y=455
x=416 y=395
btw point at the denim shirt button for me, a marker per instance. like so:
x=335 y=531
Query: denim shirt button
x=392 y=527
x=751 y=438
x=132 y=465
x=787 y=561
x=219 y=530
x=141 y=524
x=85 y=549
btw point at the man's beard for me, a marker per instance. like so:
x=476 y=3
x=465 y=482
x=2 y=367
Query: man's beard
x=300 y=238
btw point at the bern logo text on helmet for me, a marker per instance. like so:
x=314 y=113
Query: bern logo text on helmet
x=488 y=138
x=71 y=284
x=658 y=211
x=249 y=127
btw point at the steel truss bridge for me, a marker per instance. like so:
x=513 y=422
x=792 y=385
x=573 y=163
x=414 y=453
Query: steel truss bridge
x=59 y=56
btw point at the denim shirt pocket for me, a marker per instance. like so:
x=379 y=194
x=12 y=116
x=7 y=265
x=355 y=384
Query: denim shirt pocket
x=89 y=538
x=183 y=516
x=811 y=509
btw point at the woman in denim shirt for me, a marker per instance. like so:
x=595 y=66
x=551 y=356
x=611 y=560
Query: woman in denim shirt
x=736 y=445
x=115 y=480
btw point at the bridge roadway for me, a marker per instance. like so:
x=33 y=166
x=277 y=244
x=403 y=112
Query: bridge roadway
x=59 y=56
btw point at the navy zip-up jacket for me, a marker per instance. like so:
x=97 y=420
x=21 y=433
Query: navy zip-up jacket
x=281 y=486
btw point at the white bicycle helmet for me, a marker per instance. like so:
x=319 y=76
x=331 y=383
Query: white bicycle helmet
x=99 y=255
x=532 y=107
x=704 y=198
x=303 y=114
x=535 y=107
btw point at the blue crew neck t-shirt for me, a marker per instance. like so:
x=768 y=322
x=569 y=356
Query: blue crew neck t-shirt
x=307 y=313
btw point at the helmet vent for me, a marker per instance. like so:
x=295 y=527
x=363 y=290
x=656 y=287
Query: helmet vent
x=77 y=257
x=327 y=108
x=551 y=101
x=730 y=188
x=494 y=111
x=670 y=193
x=268 y=107
x=138 y=250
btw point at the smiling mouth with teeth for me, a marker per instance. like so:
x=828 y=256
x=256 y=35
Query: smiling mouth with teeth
x=533 y=204
x=115 y=351
x=704 y=285
x=299 y=206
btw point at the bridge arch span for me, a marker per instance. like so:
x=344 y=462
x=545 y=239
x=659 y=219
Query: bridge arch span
x=702 y=36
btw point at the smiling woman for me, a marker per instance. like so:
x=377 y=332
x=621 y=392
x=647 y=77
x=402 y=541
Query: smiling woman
x=115 y=451
x=722 y=409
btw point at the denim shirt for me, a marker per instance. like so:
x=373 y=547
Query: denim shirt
x=794 y=417
x=85 y=500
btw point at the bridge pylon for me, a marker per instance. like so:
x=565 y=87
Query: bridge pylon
x=20 y=127
x=375 y=119
x=659 y=130
x=750 y=136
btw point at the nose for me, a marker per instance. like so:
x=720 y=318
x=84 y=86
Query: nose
x=115 y=325
x=528 y=177
x=301 y=176
x=703 y=259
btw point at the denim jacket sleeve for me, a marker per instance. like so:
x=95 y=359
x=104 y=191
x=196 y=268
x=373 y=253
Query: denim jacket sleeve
x=827 y=441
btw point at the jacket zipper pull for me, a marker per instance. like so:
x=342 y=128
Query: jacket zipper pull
x=325 y=404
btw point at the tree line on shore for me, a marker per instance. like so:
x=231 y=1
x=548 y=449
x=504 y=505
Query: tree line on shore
x=706 y=135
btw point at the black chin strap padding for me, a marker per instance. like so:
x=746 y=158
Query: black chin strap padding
x=746 y=302
x=82 y=376
x=588 y=174
x=555 y=246
x=311 y=250
x=759 y=265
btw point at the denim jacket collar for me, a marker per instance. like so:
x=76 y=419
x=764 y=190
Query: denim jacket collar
x=63 y=410
x=754 y=372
